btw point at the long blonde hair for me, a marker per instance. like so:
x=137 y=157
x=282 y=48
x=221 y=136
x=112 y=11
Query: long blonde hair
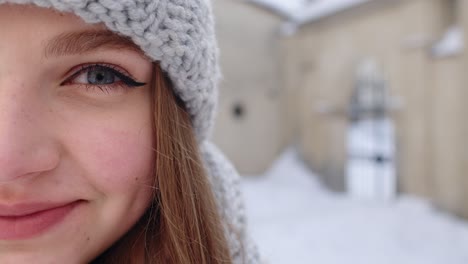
x=182 y=225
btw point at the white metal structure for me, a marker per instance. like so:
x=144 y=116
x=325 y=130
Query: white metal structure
x=370 y=172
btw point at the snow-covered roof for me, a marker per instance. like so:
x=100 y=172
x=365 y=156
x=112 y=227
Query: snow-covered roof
x=452 y=43
x=304 y=11
x=283 y=7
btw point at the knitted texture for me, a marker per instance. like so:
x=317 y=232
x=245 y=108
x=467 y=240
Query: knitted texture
x=177 y=33
x=226 y=185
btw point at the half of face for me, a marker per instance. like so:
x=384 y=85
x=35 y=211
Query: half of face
x=76 y=143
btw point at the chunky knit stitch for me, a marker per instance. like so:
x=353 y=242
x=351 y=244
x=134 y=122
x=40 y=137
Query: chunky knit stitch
x=179 y=34
x=226 y=186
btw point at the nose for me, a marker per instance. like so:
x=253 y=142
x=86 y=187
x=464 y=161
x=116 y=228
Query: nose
x=26 y=147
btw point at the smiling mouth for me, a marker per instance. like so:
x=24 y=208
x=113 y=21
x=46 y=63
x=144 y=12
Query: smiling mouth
x=30 y=220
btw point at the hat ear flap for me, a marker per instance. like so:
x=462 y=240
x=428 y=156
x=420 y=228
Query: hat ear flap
x=225 y=182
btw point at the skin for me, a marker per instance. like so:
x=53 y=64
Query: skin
x=64 y=140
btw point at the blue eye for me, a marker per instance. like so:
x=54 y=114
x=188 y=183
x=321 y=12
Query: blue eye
x=101 y=76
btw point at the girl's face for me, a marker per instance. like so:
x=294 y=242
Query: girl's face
x=76 y=142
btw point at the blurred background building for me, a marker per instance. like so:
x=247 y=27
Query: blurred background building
x=307 y=72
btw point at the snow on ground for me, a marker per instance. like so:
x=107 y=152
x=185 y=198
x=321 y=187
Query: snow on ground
x=294 y=219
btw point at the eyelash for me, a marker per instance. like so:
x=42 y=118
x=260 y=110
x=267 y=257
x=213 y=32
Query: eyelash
x=124 y=79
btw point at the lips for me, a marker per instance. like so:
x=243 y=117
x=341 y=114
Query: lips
x=23 y=221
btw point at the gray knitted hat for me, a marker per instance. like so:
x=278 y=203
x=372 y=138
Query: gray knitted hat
x=177 y=33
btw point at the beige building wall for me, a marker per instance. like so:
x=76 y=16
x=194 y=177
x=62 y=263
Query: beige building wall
x=397 y=35
x=447 y=110
x=422 y=25
x=463 y=21
x=300 y=86
x=250 y=59
x=334 y=47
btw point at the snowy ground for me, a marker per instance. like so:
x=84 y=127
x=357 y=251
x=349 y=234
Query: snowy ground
x=295 y=220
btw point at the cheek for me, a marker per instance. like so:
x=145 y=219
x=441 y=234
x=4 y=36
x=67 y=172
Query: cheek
x=114 y=158
x=120 y=158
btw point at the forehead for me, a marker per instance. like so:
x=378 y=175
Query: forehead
x=40 y=20
x=32 y=28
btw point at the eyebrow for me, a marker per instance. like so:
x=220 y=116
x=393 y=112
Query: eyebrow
x=77 y=43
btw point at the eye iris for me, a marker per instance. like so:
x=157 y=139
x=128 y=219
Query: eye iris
x=100 y=76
